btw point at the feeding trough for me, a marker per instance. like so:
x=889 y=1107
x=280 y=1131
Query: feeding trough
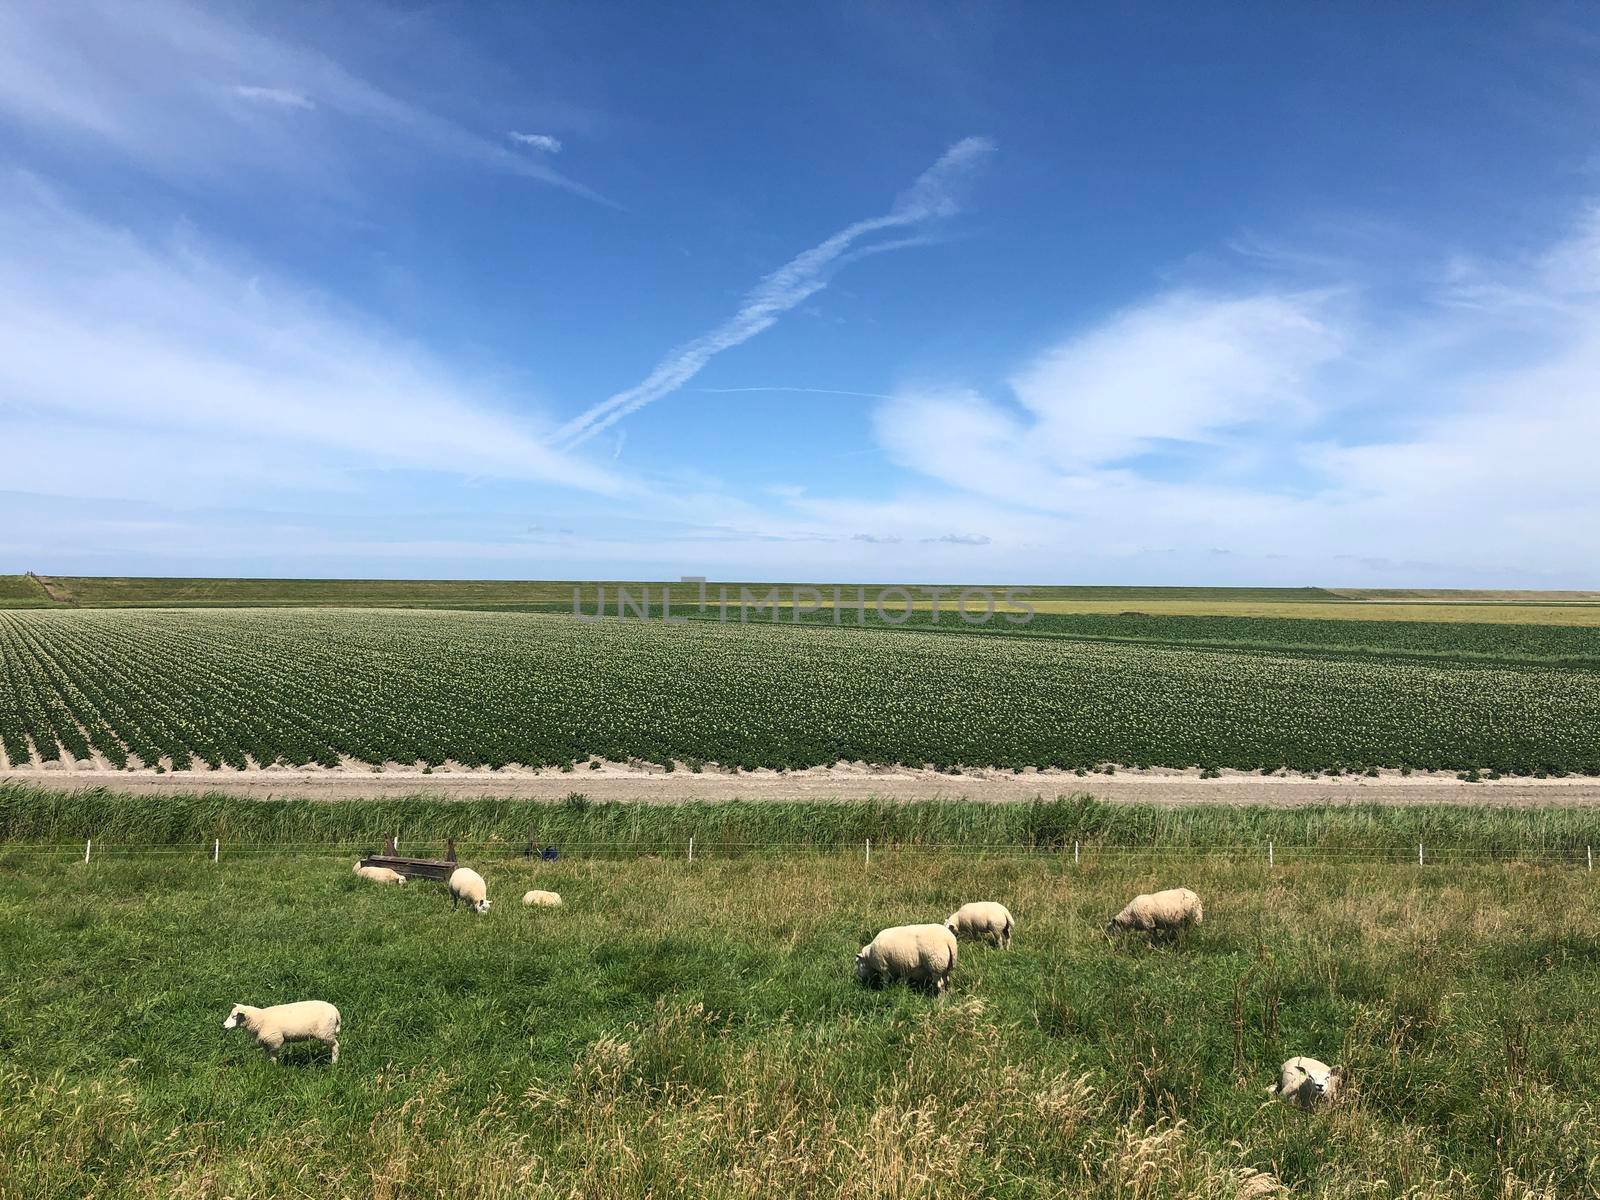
x=415 y=868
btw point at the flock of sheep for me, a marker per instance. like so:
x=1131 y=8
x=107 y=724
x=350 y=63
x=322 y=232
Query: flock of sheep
x=919 y=955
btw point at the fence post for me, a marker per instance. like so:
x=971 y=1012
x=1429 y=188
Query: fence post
x=216 y=849
x=1074 y=853
x=1590 y=849
x=691 y=848
x=87 y=846
x=1271 y=858
x=1419 y=854
x=869 y=852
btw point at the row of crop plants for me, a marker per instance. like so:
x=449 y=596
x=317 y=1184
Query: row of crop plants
x=231 y=687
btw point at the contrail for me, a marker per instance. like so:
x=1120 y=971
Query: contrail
x=931 y=197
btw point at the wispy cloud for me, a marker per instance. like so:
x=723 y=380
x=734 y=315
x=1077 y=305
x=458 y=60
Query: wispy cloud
x=1297 y=428
x=933 y=196
x=161 y=361
x=158 y=82
x=539 y=141
x=282 y=97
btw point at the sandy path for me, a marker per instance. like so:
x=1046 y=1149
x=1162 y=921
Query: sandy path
x=619 y=782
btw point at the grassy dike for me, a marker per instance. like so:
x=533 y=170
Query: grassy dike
x=683 y=1030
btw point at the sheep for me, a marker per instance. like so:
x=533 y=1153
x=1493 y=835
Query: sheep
x=919 y=954
x=466 y=884
x=303 y=1021
x=1165 y=913
x=983 y=919
x=547 y=899
x=1307 y=1082
x=379 y=874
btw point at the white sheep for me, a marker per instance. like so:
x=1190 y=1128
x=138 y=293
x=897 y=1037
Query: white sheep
x=303 y=1021
x=1165 y=913
x=466 y=884
x=919 y=954
x=983 y=919
x=1307 y=1082
x=379 y=874
x=546 y=899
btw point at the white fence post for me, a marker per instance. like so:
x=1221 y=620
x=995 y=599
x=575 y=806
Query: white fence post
x=1590 y=849
x=869 y=852
x=1075 y=853
x=691 y=849
x=1419 y=854
x=87 y=846
x=216 y=850
x=1271 y=857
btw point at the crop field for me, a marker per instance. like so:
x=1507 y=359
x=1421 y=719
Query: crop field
x=694 y=1029
x=258 y=687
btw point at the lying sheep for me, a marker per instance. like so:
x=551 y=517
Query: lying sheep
x=303 y=1021
x=466 y=884
x=379 y=874
x=546 y=899
x=1307 y=1082
x=918 y=954
x=983 y=919
x=1166 y=913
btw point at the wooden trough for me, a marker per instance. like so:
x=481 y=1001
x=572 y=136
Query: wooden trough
x=415 y=868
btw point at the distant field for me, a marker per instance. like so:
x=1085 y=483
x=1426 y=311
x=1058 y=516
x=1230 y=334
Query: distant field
x=1469 y=606
x=260 y=686
x=679 y=1030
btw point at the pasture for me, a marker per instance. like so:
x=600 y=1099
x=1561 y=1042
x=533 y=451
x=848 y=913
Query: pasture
x=694 y=1030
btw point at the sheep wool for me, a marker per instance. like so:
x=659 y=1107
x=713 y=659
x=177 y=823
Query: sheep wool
x=1168 y=913
x=983 y=919
x=923 y=955
x=544 y=899
x=1307 y=1082
x=302 y=1021
x=379 y=874
x=466 y=884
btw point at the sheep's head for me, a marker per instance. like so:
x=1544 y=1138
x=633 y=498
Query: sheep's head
x=482 y=906
x=235 y=1017
x=863 y=968
x=950 y=922
x=1318 y=1083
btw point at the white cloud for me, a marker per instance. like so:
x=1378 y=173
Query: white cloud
x=158 y=82
x=539 y=141
x=282 y=97
x=931 y=197
x=1297 y=428
x=193 y=360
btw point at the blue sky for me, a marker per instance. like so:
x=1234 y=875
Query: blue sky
x=1140 y=293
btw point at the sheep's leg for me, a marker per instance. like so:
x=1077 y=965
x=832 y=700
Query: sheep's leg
x=334 y=1044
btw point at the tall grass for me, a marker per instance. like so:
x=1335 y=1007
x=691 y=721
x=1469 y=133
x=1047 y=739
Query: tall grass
x=38 y=815
x=679 y=1031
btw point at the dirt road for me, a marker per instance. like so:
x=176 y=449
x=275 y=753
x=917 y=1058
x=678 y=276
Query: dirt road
x=620 y=782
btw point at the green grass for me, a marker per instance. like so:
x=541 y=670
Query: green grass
x=692 y=1031
x=22 y=591
x=501 y=828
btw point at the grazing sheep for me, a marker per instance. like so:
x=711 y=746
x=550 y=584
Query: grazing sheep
x=919 y=954
x=466 y=884
x=1307 y=1082
x=1165 y=913
x=379 y=874
x=304 y=1021
x=983 y=919
x=546 y=899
